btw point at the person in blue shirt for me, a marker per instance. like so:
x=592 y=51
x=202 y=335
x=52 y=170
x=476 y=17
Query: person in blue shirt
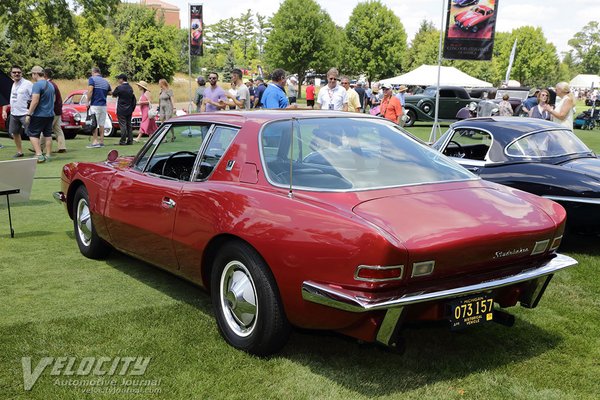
x=40 y=116
x=98 y=90
x=274 y=95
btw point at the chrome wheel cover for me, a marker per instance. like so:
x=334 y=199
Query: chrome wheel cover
x=84 y=222
x=239 y=303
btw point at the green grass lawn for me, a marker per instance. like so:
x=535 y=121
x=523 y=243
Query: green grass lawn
x=56 y=303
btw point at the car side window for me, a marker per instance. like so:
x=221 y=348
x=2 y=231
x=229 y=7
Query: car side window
x=219 y=141
x=469 y=143
x=171 y=152
x=446 y=93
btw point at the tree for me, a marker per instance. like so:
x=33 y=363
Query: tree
x=246 y=34
x=424 y=47
x=375 y=40
x=146 y=50
x=587 y=48
x=264 y=27
x=303 y=37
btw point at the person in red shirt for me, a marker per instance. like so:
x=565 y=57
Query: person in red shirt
x=390 y=107
x=310 y=94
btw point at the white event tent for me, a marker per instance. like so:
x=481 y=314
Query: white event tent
x=583 y=81
x=427 y=75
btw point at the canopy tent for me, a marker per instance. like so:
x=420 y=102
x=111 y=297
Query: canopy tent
x=426 y=75
x=585 y=81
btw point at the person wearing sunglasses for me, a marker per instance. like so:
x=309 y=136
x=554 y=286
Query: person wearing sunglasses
x=214 y=96
x=20 y=97
x=539 y=111
x=332 y=96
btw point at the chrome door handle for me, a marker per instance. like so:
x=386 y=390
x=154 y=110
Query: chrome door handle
x=169 y=203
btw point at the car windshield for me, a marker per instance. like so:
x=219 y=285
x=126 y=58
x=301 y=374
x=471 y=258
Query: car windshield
x=513 y=94
x=430 y=91
x=554 y=143
x=335 y=154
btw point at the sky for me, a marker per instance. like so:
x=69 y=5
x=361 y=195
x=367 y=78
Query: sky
x=560 y=20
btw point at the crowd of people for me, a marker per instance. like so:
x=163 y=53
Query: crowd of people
x=36 y=105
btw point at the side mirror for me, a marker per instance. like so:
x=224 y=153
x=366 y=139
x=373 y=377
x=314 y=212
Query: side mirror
x=112 y=155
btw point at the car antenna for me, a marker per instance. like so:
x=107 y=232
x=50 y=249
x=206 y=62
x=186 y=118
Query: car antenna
x=290 y=193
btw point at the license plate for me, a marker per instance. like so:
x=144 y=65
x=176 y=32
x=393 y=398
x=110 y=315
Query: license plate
x=470 y=311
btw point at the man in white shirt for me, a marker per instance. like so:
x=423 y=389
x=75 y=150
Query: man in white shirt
x=332 y=96
x=20 y=96
x=239 y=95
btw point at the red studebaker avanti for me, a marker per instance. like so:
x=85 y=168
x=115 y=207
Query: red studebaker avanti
x=472 y=19
x=317 y=219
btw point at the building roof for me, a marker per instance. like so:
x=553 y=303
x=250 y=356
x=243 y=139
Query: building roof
x=161 y=4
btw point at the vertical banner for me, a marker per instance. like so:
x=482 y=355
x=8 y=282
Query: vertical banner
x=196 y=26
x=470 y=30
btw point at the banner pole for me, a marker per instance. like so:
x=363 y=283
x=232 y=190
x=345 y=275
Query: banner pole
x=189 y=59
x=436 y=125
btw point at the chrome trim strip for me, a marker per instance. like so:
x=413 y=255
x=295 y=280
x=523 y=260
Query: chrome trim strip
x=345 y=300
x=573 y=199
x=379 y=268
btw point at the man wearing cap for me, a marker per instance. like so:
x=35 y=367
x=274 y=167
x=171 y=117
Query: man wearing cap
x=332 y=96
x=258 y=93
x=125 y=106
x=58 y=103
x=98 y=91
x=199 y=93
x=40 y=115
x=390 y=107
x=20 y=95
x=531 y=101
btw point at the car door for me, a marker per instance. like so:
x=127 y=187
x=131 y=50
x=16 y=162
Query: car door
x=449 y=104
x=205 y=208
x=144 y=199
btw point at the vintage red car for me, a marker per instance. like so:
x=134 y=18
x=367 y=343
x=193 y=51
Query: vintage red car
x=317 y=219
x=70 y=122
x=472 y=19
x=78 y=101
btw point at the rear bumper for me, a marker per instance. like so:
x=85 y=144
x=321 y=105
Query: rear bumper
x=347 y=300
x=535 y=281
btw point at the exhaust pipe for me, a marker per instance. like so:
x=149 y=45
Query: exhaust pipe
x=504 y=318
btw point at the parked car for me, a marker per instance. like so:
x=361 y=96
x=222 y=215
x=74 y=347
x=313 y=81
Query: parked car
x=78 y=100
x=421 y=107
x=317 y=219
x=464 y=3
x=534 y=155
x=69 y=122
x=473 y=19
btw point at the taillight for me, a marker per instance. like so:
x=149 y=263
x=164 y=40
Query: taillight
x=378 y=273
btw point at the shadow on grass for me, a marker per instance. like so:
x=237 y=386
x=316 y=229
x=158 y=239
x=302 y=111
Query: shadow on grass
x=433 y=352
x=29 y=203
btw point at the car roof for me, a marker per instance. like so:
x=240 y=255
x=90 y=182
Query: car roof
x=263 y=116
x=506 y=129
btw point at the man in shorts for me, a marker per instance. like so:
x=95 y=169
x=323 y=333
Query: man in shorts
x=20 y=96
x=98 y=90
x=40 y=116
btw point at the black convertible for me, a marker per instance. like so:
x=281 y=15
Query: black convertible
x=533 y=155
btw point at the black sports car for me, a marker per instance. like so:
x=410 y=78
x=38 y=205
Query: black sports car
x=533 y=155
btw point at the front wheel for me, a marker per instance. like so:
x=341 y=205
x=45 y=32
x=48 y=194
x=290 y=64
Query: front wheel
x=411 y=118
x=90 y=244
x=246 y=301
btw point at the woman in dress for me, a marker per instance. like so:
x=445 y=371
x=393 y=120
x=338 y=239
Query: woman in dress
x=539 y=111
x=165 y=101
x=148 y=125
x=564 y=109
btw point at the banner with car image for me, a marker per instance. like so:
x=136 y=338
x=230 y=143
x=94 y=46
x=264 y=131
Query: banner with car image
x=196 y=30
x=470 y=28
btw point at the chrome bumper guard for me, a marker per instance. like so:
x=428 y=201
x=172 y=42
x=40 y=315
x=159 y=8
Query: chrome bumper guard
x=349 y=301
x=59 y=197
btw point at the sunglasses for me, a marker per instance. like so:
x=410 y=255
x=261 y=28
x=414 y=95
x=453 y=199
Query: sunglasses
x=345 y=83
x=212 y=78
x=16 y=72
x=332 y=79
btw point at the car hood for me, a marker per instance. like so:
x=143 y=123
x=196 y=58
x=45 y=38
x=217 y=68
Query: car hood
x=467 y=229
x=589 y=166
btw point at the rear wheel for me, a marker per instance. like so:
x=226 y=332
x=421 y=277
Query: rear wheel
x=90 y=244
x=246 y=301
x=411 y=118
